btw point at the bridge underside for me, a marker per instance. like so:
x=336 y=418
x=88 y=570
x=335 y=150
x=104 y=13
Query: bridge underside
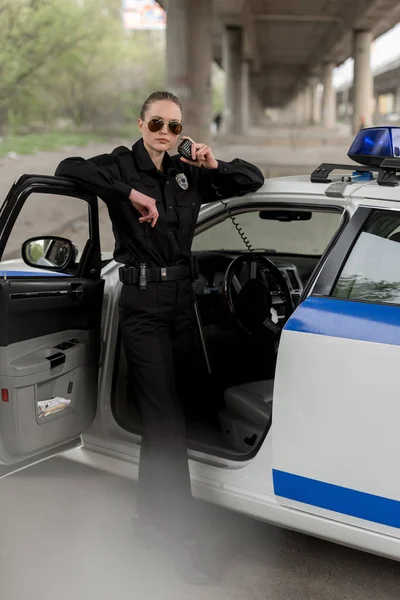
x=274 y=54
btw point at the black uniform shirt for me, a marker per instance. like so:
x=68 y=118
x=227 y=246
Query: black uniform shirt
x=162 y=177
x=179 y=192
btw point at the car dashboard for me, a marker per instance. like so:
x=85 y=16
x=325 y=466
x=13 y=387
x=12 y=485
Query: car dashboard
x=212 y=267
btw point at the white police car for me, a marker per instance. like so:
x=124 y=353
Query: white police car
x=296 y=426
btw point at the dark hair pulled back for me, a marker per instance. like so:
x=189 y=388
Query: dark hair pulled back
x=154 y=97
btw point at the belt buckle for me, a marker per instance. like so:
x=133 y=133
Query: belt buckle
x=163 y=272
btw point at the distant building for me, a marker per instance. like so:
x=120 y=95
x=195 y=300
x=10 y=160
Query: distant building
x=143 y=14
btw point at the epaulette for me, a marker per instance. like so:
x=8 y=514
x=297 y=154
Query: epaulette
x=121 y=150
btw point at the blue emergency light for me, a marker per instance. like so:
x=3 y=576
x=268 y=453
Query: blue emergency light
x=373 y=144
x=377 y=150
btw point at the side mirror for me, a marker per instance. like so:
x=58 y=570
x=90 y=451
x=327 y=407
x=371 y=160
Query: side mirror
x=49 y=252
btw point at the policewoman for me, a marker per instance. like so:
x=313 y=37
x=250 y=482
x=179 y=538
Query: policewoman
x=153 y=201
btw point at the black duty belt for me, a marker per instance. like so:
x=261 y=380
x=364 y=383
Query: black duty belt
x=143 y=275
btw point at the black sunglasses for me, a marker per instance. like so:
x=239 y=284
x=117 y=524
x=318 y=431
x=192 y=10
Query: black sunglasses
x=154 y=125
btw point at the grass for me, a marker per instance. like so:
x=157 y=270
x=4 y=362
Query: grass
x=33 y=142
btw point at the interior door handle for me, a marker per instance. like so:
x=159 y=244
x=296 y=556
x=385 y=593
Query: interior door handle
x=76 y=292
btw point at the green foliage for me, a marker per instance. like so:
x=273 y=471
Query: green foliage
x=34 y=142
x=35 y=252
x=70 y=65
x=357 y=287
x=73 y=61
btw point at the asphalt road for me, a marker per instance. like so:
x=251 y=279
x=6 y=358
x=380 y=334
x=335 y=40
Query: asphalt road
x=67 y=532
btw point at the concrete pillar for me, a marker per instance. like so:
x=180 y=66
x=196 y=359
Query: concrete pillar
x=396 y=107
x=294 y=110
x=246 y=113
x=300 y=108
x=363 y=81
x=315 y=112
x=256 y=105
x=232 y=62
x=376 y=112
x=286 y=114
x=346 y=102
x=311 y=102
x=189 y=60
x=307 y=105
x=328 y=98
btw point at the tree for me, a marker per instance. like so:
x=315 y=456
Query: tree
x=102 y=85
x=46 y=40
x=73 y=60
x=33 y=33
x=361 y=288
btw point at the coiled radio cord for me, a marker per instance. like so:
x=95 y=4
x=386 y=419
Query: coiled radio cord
x=239 y=229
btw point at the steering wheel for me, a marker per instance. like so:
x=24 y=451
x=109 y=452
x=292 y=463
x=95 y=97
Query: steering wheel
x=257 y=294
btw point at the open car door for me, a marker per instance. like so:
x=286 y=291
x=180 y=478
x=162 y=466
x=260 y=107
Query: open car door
x=49 y=331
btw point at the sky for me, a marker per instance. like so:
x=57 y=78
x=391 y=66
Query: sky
x=384 y=49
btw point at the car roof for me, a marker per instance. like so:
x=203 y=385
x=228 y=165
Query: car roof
x=302 y=183
x=300 y=189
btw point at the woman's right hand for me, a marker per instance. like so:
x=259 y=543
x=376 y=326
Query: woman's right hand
x=146 y=206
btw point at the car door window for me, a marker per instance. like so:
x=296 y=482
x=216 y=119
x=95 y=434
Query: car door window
x=45 y=215
x=372 y=271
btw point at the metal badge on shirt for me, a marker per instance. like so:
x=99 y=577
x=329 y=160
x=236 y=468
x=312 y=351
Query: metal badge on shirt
x=182 y=181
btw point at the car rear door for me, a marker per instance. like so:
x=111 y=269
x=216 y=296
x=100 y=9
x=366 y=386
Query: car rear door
x=49 y=329
x=336 y=442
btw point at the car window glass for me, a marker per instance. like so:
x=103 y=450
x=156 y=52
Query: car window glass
x=46 y=214
x=294 y=237
x=372 y=271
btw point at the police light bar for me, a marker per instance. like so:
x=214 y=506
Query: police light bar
x=372 y=145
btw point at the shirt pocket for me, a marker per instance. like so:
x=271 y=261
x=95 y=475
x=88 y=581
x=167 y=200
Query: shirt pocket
x=150 y=189
x=186 y=207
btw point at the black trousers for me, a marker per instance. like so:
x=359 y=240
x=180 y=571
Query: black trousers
x=159 y=335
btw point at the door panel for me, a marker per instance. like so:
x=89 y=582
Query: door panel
x=35 y=308
x=336 y=442
x=336 y=446
x=49 y=340
x=61 y=365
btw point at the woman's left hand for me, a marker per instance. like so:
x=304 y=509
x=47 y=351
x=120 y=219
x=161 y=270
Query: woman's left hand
x=202 y=156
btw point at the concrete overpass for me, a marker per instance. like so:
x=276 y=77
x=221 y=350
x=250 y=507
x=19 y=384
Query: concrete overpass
x=274 y=53
x=386 y=81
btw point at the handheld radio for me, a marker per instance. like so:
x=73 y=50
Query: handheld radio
x=185 y=149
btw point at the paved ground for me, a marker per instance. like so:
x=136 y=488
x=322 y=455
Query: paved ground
x=66 y=532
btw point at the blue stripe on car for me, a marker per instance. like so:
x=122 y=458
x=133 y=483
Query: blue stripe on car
x=31 y=273
x=362 y=505
x=347 y=319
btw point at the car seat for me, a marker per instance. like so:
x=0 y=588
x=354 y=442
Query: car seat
x=247 y=415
